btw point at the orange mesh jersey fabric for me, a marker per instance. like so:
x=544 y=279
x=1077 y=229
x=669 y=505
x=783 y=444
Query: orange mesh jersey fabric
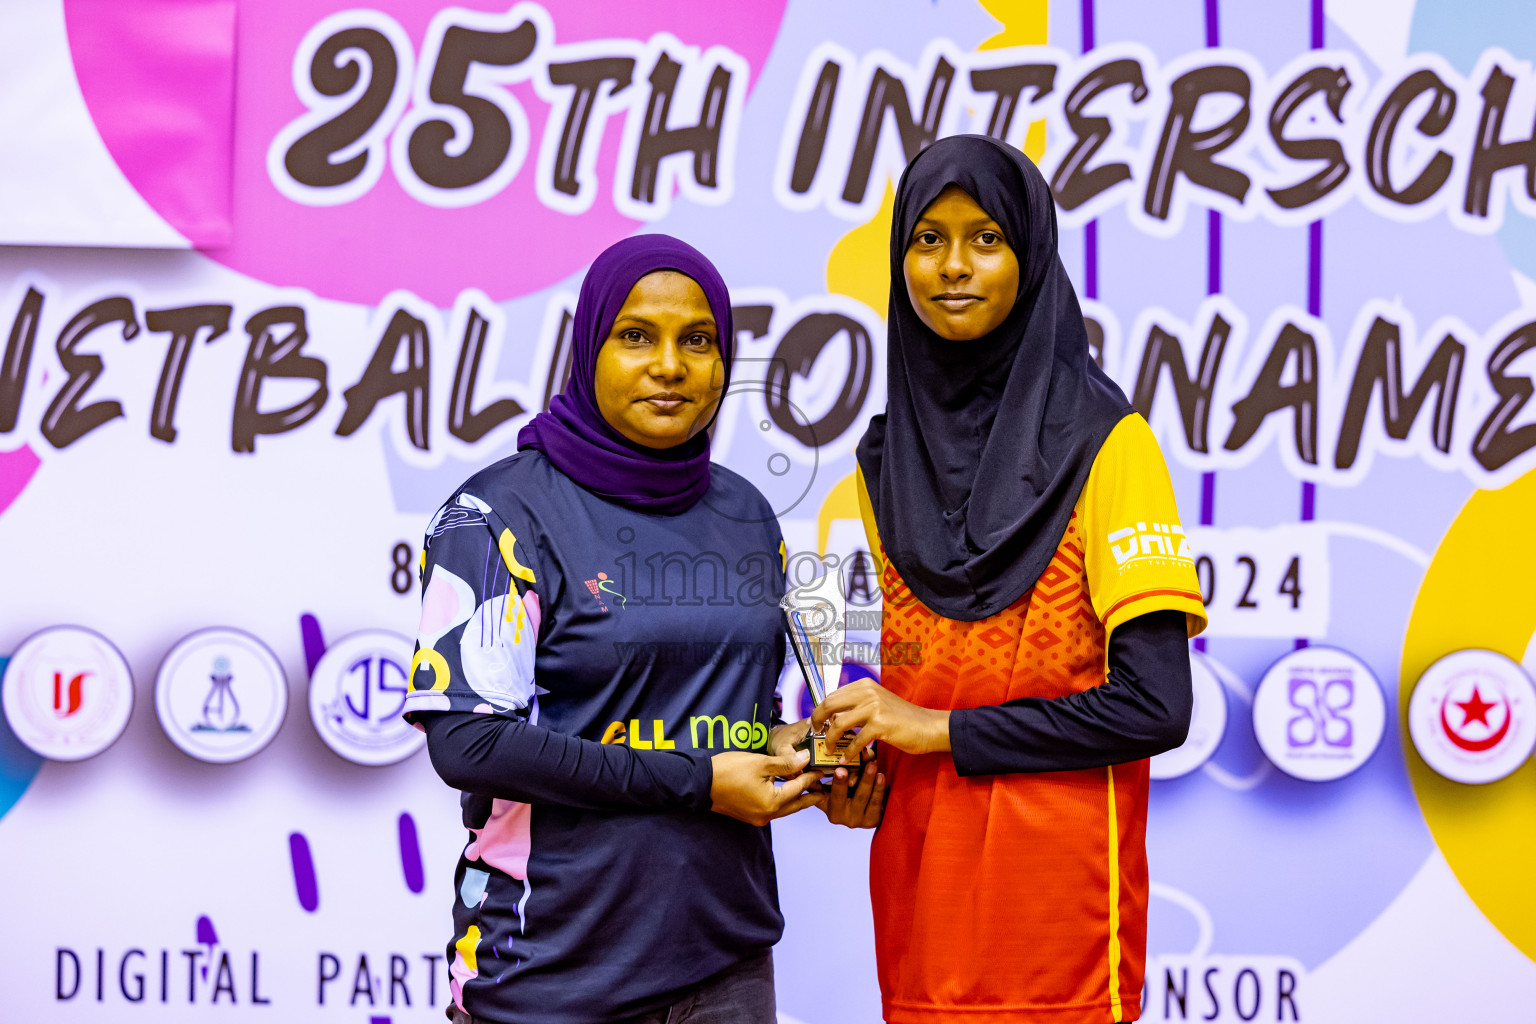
x=1024 y=897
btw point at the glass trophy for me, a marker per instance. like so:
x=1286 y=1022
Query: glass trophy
x=814 y=615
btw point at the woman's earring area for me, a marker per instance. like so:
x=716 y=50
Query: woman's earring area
x=962 y=276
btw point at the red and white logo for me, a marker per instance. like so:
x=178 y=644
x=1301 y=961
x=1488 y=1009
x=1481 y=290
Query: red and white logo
x=67 y=693
x=1473 y=716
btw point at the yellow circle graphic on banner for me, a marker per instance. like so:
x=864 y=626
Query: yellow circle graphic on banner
x=1477 y=593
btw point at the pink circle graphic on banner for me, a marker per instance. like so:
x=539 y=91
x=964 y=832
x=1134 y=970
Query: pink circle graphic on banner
x=403 y=218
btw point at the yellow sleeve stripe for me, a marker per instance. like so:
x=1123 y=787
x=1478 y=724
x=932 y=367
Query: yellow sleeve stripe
x=508 y=547
x=1114 y=900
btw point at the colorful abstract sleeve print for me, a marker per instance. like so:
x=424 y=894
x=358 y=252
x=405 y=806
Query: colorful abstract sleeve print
x=480 y=616
x=1023 y=897
x=592 y=660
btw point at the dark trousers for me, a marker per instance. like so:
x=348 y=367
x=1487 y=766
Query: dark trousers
x=740 y=994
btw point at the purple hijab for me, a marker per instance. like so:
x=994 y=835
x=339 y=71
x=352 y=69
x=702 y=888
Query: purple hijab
x=573 y=434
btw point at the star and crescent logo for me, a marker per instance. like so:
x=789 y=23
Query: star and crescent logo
x=1475 y=710
x=1472 y=716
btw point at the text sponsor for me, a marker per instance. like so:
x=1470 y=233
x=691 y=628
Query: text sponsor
x=1223 y=989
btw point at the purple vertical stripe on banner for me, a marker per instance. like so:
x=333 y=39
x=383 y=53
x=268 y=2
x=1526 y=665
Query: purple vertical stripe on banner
x=207 y=935
x=1212 y=287
x=1213 y=253
x=1091 y=260
x=1315 y=307
x=1315 y=268
x=1091 y=231
x=410 y=855
x=1207 y=517
x=313 y=640
x=304 y=881
x=1314 y=287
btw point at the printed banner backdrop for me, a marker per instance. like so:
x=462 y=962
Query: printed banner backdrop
x=275 y=276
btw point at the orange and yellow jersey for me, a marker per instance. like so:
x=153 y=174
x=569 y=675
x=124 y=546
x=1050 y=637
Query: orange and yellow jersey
x=1023 y=897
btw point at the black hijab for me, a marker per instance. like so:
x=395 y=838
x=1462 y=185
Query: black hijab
x=985 y=445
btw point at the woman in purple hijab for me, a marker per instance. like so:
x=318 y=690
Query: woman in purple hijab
x=595 y=670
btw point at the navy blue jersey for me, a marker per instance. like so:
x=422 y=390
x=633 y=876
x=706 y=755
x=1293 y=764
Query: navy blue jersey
x=610 y=653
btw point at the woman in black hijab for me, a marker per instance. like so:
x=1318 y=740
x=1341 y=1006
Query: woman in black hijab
x=1030 y=553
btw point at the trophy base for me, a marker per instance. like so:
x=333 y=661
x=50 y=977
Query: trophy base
x=824 y=756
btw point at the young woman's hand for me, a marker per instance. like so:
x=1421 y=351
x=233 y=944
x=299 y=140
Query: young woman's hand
x=879 y=714
x=744 y=787
x=864 y=806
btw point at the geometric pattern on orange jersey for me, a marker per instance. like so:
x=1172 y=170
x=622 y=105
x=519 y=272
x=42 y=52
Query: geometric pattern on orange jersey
x=1034 y=834
x=1046 y=644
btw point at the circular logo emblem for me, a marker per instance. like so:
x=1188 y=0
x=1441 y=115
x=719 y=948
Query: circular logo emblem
x=1319 y=713
x=1207 y=724
x=1473 y=716
x=356 y=694
x=67 y=693
x=221 y=695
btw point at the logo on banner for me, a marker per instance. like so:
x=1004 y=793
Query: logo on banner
x=221 y=695
x=1207 y=723
x=67 y=693
x=356 y=694
x=1319 y=713
x=1473 y=716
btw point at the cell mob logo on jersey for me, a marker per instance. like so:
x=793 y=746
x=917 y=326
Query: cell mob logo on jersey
x=1150 y=542
x=1473 y=716
x=67 y=693
x=356 y=694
